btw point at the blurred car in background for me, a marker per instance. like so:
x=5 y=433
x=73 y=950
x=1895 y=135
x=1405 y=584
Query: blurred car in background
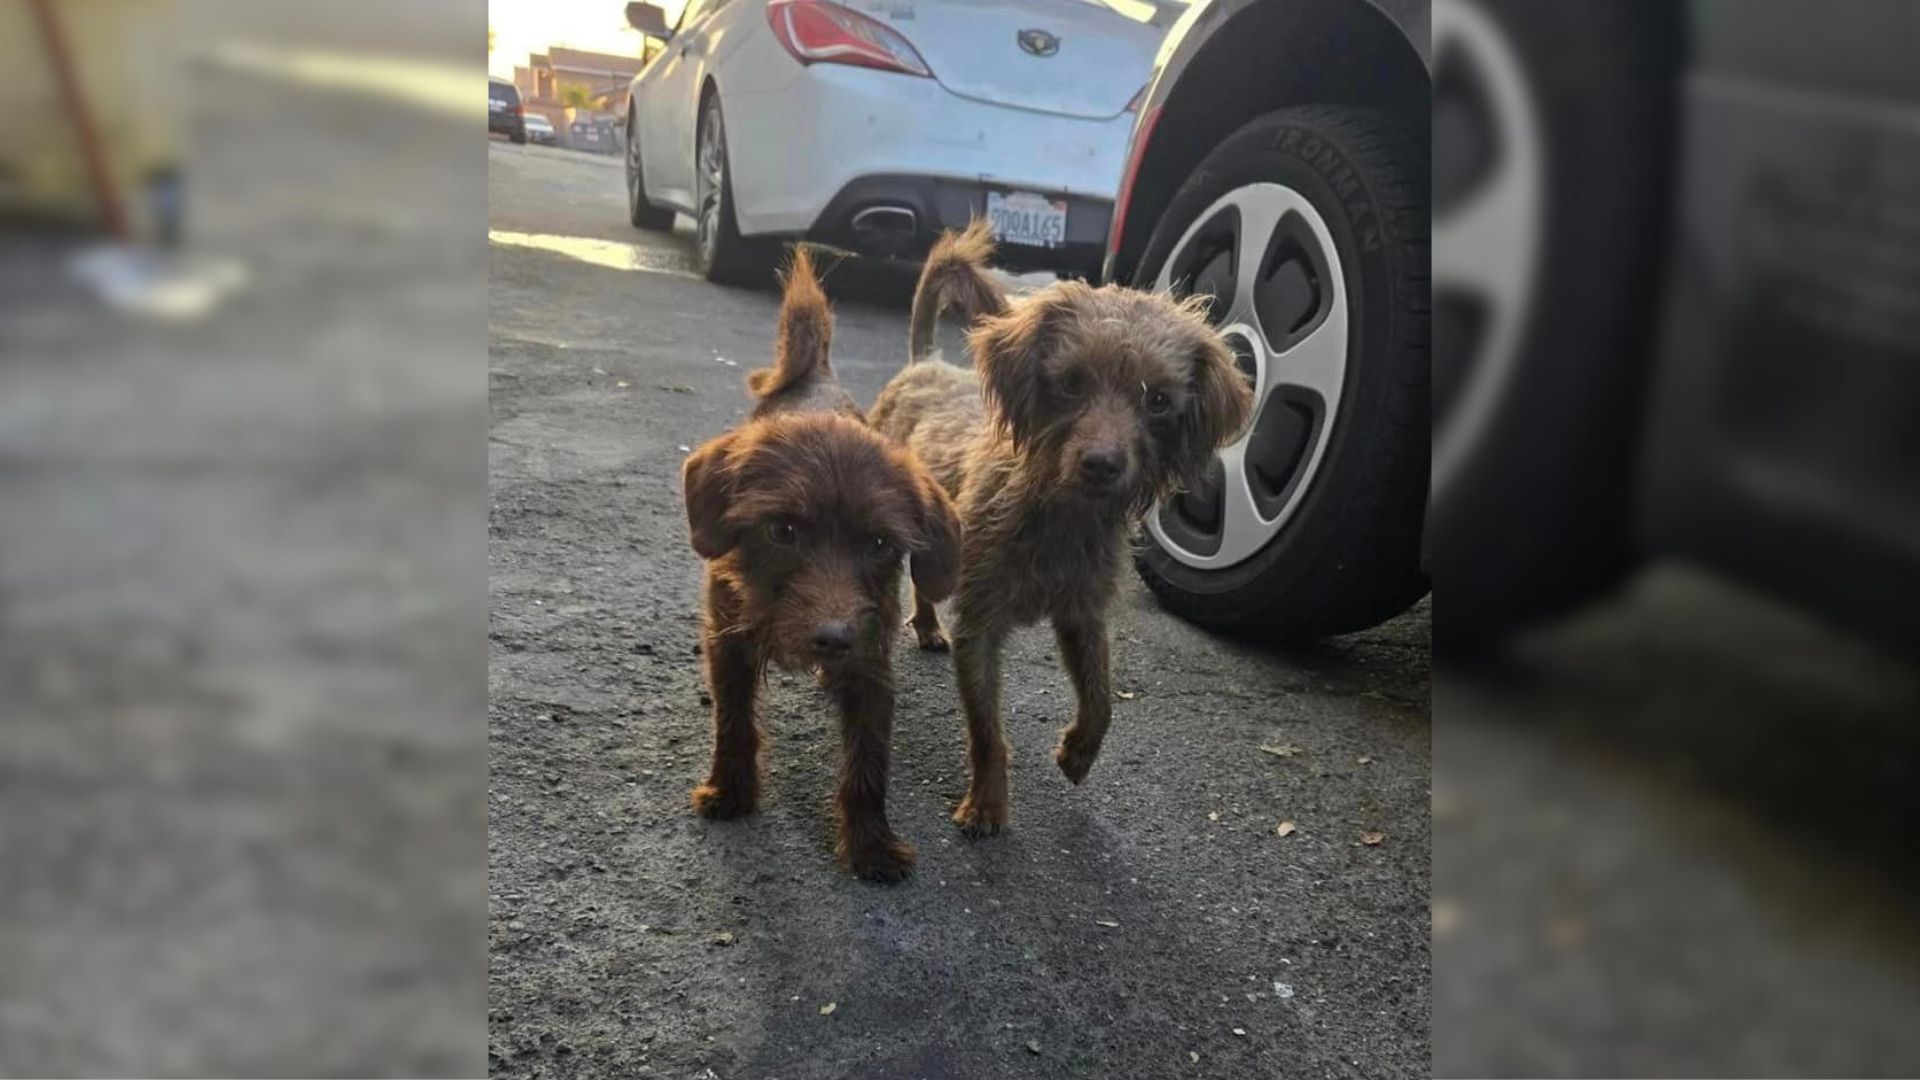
x=1280 y=166
x=595 y=135
x=1674 y=288
x=505 y=114
x=874 y=125
x=539 y=129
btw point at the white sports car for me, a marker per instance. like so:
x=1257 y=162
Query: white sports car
x=874 y=124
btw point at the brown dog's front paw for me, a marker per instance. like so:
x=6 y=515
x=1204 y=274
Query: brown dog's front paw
x=717 y=802
x=932 y=639
x=1075 y=758
x=981 y=817
x=887 y=859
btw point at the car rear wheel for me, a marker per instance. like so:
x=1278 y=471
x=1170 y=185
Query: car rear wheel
x=1309 y=228
x=640 y=211
x=720 y=252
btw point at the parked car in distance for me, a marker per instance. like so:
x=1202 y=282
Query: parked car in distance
x=874 y=125
x=539 y=129
x=593 y=136
x=505 y=114
x=1280 y=165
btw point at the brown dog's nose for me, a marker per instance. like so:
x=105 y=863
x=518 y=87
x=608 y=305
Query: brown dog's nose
x=1102 y=466
x=833 y=637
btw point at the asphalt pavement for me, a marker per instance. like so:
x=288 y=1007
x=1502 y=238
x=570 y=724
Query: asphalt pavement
x=1150 y=923
x=242 y=763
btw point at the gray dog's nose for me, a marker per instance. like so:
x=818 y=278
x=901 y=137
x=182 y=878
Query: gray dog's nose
x=1102 y=466
x=833 y=637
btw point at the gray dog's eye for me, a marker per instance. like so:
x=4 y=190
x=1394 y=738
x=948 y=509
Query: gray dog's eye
x=1072 y=384
x=1159 y=403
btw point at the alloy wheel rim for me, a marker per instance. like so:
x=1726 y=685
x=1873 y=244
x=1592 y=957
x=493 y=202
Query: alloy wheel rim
x=633 y=164
x=1266 y=255
x=1487 y=241
x=713 y=167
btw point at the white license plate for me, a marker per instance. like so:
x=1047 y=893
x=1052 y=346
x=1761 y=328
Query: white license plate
x=1025 y=217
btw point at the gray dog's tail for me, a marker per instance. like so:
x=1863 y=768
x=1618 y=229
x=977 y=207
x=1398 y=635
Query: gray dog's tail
x=806 y=332
x=956 y=273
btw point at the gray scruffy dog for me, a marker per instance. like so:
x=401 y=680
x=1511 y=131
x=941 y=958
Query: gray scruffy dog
x=1084 y=405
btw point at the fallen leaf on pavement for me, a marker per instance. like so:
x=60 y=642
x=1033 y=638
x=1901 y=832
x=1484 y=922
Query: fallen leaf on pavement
x=723 y=939
x=621 y=383
x=1286 y=828
x=1242 y=1032
x=827 y=1009
x=1213 y=815
x=1372 y=839
x=1363 y=760
x=1125 y=695
x=1033 y=1046
x=1288 y=750
x=1106 y=922
x=1193 y=1057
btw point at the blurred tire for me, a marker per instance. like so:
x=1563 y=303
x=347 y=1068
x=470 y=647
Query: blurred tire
x=640 y=211
x=1553 y=153
x=1335 y=546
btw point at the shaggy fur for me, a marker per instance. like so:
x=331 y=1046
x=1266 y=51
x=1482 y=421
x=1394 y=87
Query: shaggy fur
x=803 y=516
x=1084 y=406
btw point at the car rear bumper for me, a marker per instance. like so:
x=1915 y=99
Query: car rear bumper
x=810 y=156
x=862 y=217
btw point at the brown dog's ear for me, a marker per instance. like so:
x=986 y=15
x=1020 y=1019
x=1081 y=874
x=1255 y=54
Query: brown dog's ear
x=1219 y=402
x=936 y=567
x=1010 y=350
x=707 y=478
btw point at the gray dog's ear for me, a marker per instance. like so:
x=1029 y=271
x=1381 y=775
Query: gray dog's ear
x=936 y=567
x=1219 y=401
x=707 y=478
x=1010 y=351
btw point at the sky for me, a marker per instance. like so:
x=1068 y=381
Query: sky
x=524 y=26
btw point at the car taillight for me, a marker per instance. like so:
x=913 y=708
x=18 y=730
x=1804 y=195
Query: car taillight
x=817 y=32
x=1141 y=133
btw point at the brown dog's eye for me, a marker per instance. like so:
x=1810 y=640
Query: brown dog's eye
x=782 y=533
x=1072 y=384
x=880 y=547
x=1159 y=403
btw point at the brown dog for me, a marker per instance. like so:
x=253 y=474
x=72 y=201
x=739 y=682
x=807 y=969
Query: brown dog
x=803 y=515
x=1086 y=405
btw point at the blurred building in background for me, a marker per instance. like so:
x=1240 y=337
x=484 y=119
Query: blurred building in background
x=571 y=86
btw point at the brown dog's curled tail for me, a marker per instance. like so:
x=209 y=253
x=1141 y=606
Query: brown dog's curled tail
x=956 y=273
x=806 y=332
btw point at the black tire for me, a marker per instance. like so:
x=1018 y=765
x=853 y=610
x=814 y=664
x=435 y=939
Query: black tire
x=1349 y=557
x=1536 y=519
x=720 y=253
x=640 y=210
